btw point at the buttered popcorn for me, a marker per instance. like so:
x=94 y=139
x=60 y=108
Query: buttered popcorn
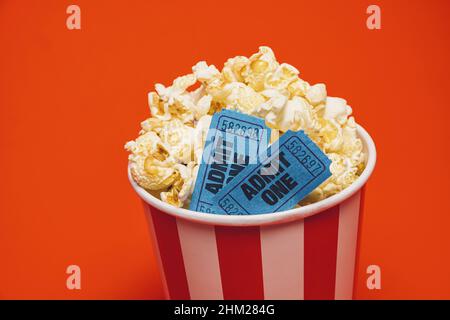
x=164 y=159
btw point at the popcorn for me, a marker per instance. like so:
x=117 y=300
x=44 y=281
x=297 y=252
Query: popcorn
x=182 y=186
x=202 y=106
x=352 y=147
x=343 y=175
x=151 y=166
x=314 y=196
x=200 y=132
x=272 y=106
x=179 y=86
x=179 y=139
x=232 y=70
x=205 y=73
x=316 y=94
x=158 y=108
x=242 y=98
x=337 y=109
x=173 y=101
x=166 y=156
x=296 y=115
x=211 y=79
x=258 y=67
x=298 y=87
x=331 y=134
x=281 y=78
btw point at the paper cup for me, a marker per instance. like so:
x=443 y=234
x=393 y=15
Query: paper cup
x=304 y=253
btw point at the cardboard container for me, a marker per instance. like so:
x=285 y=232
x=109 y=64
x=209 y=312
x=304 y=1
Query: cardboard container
x=304 y=253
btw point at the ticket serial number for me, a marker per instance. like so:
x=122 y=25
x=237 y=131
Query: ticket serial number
x=239 y=128
x=305 y=156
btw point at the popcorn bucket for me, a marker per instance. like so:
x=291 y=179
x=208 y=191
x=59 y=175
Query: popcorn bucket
x=303 y=253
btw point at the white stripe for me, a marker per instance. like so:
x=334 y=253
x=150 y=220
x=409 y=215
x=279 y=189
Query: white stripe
x=282 y=249
x=201 y=260
x=156 y=250
x=347 y=240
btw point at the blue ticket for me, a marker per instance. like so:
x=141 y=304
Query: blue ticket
x=294 y=166
x=234 y=141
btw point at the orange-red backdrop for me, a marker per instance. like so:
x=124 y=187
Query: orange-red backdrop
x=69 y=100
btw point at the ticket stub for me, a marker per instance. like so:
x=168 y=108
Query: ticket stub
x=233 y=141
x=293 y=168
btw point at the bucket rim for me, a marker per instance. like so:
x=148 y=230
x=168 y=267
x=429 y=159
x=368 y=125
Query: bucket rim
x=267 y=218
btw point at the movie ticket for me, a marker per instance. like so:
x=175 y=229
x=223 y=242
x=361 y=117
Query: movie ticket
x=293 y=168
x=234 y=141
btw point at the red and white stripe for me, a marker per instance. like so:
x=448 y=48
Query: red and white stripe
x=312 y=258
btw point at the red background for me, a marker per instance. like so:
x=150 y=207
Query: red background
x=70 y=99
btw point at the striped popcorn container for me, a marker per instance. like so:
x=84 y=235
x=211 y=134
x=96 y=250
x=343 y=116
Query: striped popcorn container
x=303 y=253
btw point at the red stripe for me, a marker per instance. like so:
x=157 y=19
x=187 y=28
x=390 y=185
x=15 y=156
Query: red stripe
x=321 y=234
x=239 y=250
x=358 y=243
x=171 y=256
